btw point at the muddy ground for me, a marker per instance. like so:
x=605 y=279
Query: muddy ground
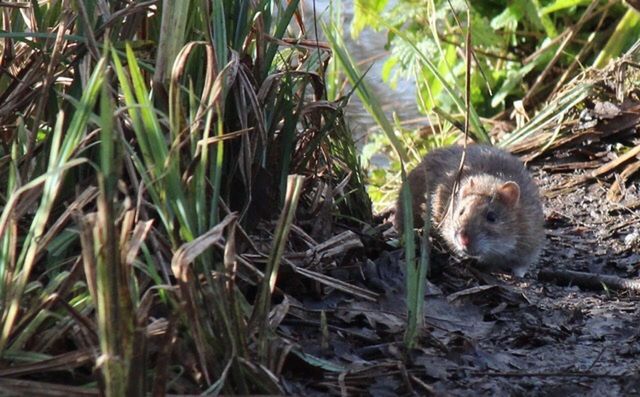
x=486 y=334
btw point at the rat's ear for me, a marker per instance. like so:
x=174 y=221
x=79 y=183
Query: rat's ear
x=509 y=193
x=467 y=186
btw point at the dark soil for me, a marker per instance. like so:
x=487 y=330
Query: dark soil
x=486 y=334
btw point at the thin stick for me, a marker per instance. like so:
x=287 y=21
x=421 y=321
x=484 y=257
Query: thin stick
x=467 y=103
x=589 y=280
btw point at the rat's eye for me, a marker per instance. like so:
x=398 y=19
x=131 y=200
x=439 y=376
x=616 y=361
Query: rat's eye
x=461 y=212
x=491 y=217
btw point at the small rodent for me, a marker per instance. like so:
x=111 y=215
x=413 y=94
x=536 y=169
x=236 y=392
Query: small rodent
x=496 y=216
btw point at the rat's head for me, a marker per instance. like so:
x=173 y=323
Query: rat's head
x=483 y=224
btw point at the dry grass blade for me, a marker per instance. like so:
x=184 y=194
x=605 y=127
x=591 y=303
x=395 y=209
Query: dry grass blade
x=78 y=204
x=181 y=266
x=62 y=362
x=337 y=284
x=207 y=99
x=337 y=245
x=14 y=387
x=49 y=78
x=133 y=244
x=610 y=166
x=616 y=191
x=85 y=224
x=161 y=376
x=13 y=207
x=11 y=4
x=188 y=252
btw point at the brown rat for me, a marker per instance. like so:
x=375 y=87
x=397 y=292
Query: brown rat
x=496 y=216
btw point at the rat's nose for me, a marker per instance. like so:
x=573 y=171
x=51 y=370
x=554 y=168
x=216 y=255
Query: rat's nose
x=464 y=238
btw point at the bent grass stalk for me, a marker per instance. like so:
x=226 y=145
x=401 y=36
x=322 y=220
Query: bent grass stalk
x=261 y=309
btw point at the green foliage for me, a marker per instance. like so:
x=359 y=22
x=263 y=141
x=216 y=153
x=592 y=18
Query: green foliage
x=504 y=34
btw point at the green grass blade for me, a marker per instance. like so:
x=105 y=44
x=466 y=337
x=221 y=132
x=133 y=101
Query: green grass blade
x=281 y=28
x=369 y=101
x=220 y=34
x=627 y=31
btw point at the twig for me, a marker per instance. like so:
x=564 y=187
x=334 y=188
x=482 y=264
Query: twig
x=550 y=374
x=467 y=116
x=615 y=163
x=589 y=280
x=596 y=359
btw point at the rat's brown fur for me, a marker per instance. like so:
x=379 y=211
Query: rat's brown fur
x=496 y=213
